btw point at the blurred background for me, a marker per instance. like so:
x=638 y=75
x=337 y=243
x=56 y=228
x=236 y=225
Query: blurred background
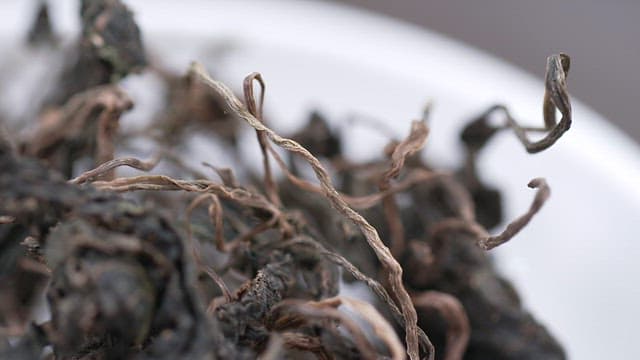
x=600 y=36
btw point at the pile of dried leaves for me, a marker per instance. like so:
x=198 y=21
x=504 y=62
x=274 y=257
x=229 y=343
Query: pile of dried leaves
x=195 y=264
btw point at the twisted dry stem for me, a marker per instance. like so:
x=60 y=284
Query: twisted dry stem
x=256 y=110
x=415 y=176
x=166 y=183
x=115 y=163
x=556 y=96
x=195 y=249
x=458 y=328
x=225 y=174
x=486 y=241
x=391 y=266
x=543 y=193
x=413 y=143
x=216 y=215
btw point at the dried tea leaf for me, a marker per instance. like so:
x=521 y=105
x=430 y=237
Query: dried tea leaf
x=394 y=270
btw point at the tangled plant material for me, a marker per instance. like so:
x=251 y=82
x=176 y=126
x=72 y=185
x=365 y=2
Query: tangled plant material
x=384 y=255
x=184 y=266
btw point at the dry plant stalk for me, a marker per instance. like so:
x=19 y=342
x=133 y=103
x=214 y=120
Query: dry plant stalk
x=458 y=329
x=556 y=96
x=195 y=250
x=106 y=167
x=488 y=243
x=256 y=110
x=413 y=143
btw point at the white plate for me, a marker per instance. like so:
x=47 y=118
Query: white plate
x=575 y=264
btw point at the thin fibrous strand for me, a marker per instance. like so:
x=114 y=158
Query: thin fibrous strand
x=458 y=224
x=239 y=195
x=256 y=110
x=484 y=240
x=375 y=286
x=218 y=280
x=458 y=327
x=413 y=143
x=543 y=193
x=162 y=182
x=391 y=266
x=168 y=155
x=226 y=175
x=379 y=324
x=415 y=177
x=556 y=96
x=196 y=251
x=216 y=215
x=165 y=183
x=105 y=147
x=148 y=165
x=394 y=221
x=112 y=164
